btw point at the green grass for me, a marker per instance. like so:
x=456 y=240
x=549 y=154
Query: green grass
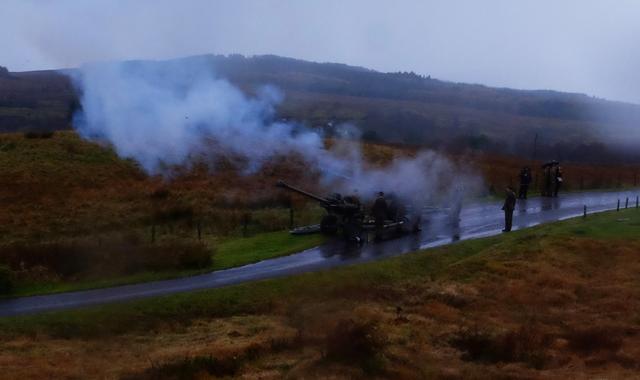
x=255 y=297
x=229 y=253
x=237 y=252
x=457 y=261
x=624 y=224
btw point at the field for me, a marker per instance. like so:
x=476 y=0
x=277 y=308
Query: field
x=75 y=216
x=556 y=301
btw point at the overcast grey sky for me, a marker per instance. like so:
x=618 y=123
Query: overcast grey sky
x=590 y=46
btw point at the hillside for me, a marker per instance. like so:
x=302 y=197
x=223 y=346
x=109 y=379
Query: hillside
x=387 y=107
x=67 y=202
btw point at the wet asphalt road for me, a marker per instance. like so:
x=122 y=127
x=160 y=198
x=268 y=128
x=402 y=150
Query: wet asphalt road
x=476 y=220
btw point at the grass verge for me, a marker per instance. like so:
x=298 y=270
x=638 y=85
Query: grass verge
x=231 y=252
x=463 y=261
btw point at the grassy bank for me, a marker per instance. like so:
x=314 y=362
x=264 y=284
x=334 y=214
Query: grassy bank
x=229 y=252
x=241 y=251
x=459 y=261
x=61 y=195
x=555 y=301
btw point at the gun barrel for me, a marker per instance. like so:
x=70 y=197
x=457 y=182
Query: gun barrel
x=302 y=192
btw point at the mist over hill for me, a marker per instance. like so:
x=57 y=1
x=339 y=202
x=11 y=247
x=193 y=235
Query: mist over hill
x=403 y=108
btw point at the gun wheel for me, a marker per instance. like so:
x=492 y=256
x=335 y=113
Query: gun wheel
x=329 y=225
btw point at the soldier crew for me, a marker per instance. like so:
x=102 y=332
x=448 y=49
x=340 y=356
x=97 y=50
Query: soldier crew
x=546 y=192
x=557 y=180
x=508 y=207
x=525 y=180
x=379 y=211
x=552 y=179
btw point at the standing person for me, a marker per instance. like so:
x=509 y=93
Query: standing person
x=379 y=211
x=456 y=210
x=547 y=181
x=557 y=180
x=508 y=207
x=525 y=180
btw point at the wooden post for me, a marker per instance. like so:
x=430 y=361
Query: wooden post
x=245 y=223
x=637 y=199
x=291 y=216
x=584 y=214
x=618 y=208
x=626 y=203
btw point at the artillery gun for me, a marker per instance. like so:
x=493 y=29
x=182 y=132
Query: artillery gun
x=343 y=214
x=347 y=216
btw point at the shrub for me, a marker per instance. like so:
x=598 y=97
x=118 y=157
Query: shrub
x=195 y=256
x=159 y=194
x=526 y=345
x=6 y=280
x=7 y=147
x=174 y=213
x=597 y=338
x=191 y=368
x=355 y=341
x=38 y=134
x=122 y=255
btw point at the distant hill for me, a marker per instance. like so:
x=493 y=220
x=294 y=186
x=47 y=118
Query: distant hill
x=39 y=100
x=404 y=108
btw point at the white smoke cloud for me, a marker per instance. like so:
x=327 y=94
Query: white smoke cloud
x=163 y=114
x=166 y=114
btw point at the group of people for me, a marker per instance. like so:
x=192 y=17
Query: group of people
x=552 y=179
x=385 y=207
x=551 y=186
x=552 y=173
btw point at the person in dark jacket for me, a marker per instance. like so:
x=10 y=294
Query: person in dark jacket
x=557 y=180
x=379 y=211
x=525 y=180
x=546 y=192
x=508 y=207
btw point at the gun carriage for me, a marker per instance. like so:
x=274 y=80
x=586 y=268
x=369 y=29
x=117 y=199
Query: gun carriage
x=346 y=216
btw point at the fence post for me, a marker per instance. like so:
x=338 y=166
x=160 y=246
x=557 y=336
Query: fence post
x=626 y=203
x=291 y=217
x=584 y=214
x=245 y=223
x=618 y=208
x=637 y=199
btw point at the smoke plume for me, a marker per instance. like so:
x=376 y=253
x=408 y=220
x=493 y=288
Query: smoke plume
x=166 y=114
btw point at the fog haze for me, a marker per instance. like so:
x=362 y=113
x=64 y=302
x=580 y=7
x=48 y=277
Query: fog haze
x=578 y=46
